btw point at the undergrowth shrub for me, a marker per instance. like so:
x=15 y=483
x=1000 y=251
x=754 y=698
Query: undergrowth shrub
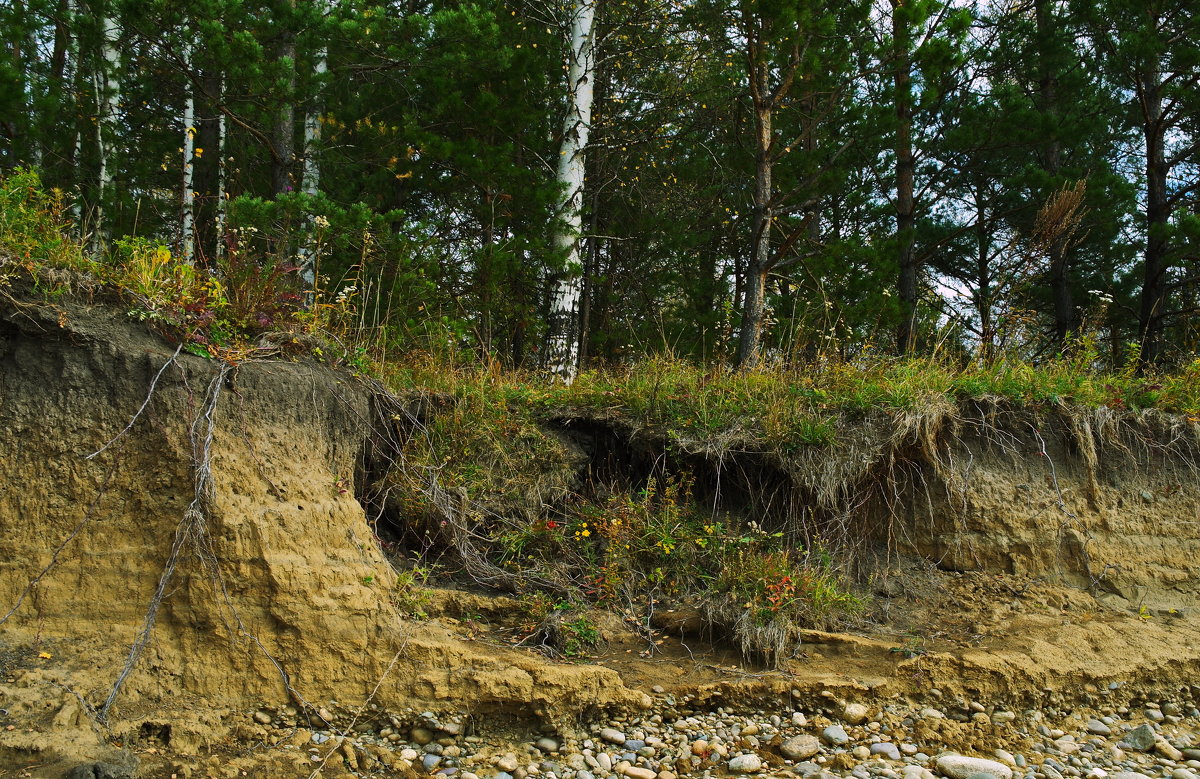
x=33 y=226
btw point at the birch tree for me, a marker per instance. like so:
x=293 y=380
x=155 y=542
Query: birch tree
x=562 y=347
x=188 y=199
x=106 y=82
x=310 y=178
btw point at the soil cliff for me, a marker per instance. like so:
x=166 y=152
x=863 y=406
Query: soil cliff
x=182 y=543
x=196 y=527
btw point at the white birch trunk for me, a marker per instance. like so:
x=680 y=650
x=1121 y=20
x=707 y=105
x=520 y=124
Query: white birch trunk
x=562 y=347
x=187 y=242
x=221 y=174
x=310 y=178
x=70 y=73
x=108 y=97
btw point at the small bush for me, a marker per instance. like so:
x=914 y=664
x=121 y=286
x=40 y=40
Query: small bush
x=33 y=227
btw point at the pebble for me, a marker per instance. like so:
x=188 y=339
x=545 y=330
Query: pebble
x=854 y=713
x=1098 y=728
x=1141 y=738
x=546 y=744
x=886 y=749
x=613 y=736
x=799 y=747
x=637 y=772
x=962 y=767
x=744 y=764
x=1165 y=749
x=835 y=735
x=262 y=718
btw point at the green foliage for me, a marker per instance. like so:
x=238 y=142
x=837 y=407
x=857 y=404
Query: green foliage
x=582 y=635
x=914 y=646
x=33 y=227
x=411 y=593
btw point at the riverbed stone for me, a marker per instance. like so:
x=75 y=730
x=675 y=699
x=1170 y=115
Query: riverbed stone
x=612 y=736
x=886 y=749
x=745 y=764
x=1141 y=738
x=962 y=767
x=800 y=747
x=854 y=713
x=835 y=735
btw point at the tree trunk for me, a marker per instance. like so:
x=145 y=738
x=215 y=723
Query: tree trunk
x=25 y=55
x=1154 y=284
x=71 y=71
x=1065 y=321
x=909 y=272
x=759 y=265
x=187 y=242
x=206 y=164
x=562 y=347
x=983 y=268
x=108 y=97
x=222 y=200
x=284 y=139
x=310 y=180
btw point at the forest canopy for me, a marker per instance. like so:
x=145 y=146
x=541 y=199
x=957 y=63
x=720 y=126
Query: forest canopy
x=574 y=183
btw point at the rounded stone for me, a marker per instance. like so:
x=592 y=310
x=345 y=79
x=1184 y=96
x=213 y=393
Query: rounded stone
x=835 y=735
x=886 y=749
x=638 y=772
x=745 y=764
x=854 y=713
x=961 y=767
x=612 y=736
x=798 y=747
